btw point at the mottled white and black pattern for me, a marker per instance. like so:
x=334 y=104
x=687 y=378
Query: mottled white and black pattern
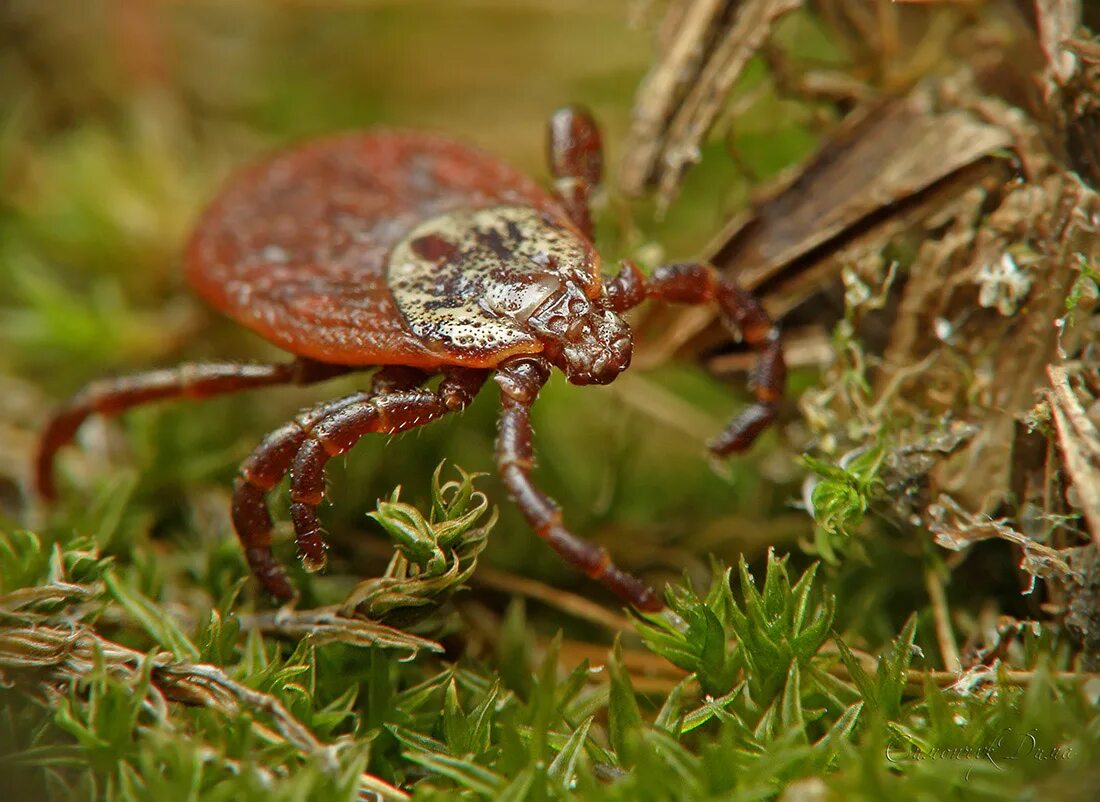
x=470 y=279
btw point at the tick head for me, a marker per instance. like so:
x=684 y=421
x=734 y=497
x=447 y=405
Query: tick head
x=590 y=344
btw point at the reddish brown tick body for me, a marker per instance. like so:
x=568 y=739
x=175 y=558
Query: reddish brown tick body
x=421 y=256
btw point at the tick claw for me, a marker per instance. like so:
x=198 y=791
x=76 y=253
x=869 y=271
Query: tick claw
x=313 y=552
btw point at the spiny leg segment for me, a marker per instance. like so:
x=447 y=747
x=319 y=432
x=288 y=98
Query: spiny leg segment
x=699 y=283
x=388 y=413
x=270 y=462
x=113 y=396
x=520 y=381
x=323 y=433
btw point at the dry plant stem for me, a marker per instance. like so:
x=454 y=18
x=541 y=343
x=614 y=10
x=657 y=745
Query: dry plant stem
x=328 y=624
x=54 y=593
x=945 y=635
x=684 y=93
x=564 y=601
x=1056 y=20
x=1079 y=442
x=703 y=103
x=651 y=399
x=668 y=79
x=650 y=673
x=915 y=680
x=73 y=653
x=956 y=529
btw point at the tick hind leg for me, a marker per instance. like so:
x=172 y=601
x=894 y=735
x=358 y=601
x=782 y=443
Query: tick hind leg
x=740 y=310
x=334 y=433
x=520 y=382
x=270 y=462
x=113 y=396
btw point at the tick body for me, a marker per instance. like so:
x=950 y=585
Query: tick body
x=420 y=256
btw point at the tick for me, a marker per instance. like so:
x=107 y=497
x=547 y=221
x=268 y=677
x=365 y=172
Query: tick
x=425 y=258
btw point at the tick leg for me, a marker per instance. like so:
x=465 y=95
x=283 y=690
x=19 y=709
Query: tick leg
x=576 y=161
x=696 y=284
x=392 y=412
x=625 y=290
x=520 y=382
x=271 y=460
x=112 y=396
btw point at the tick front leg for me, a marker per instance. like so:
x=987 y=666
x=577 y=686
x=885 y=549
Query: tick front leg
x=575 y=153
x=390 y=413
x=520 y=382
x=112 y=396
x=697 y=283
